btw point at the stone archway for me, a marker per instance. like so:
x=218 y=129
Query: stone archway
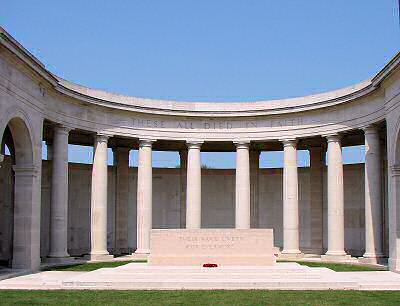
x=6 y=198
x=25 y=244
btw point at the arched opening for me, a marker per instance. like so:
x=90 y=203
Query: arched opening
x=17 y=175
x=7 y=182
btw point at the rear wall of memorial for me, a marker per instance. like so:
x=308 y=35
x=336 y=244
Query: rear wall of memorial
x=218 y=206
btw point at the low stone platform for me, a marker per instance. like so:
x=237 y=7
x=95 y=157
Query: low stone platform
x=139 y=276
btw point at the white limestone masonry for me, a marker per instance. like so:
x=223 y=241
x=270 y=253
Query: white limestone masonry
x=242 y=187
x=335 y=209
x=290 y=199
x=222 y=247
x=59 y=195
x=144 y=197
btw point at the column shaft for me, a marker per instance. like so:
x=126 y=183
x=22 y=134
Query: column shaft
x=254 y=181
x=317 y=160
x=99 y=199
x=335 y=198
x=373 y=194
x=59 y=194
x=193 y=190
x=121 y=161
x=290 y=199
x=144 y=196
x=183 y=154
x=242 y=211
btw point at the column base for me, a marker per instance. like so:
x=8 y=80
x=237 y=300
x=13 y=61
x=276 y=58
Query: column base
x=60 y=260
x=121 y=251
x=291 y=254
x=137 y=256
x=99 y=257
x=376 y=259
x=337 y=258
x=58 y=255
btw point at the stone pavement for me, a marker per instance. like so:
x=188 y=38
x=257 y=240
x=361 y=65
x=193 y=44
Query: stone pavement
x=282 y=276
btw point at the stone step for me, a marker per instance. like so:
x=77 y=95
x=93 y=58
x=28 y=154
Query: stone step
x=210 y=284
x=290 y=268
x=205 y=277
x=380 y=286
x=215 y=272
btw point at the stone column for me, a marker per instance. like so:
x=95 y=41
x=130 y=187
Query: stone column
x=317 y=163
x=193 y=190
x=335 y=200
x=373 y=196
x=59 y=195
x=242 y=198
x=183 y=154
x=98 y=203
x=121 y=162
x=254 y=179
x=290 y=200
x=144 y=196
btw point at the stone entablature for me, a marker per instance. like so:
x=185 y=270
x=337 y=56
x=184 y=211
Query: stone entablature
x=93 y=110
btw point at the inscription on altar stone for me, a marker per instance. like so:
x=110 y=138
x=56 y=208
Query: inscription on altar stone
x=251 y=247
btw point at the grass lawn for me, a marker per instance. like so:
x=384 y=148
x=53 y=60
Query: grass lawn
x=91 y=266
x=338 y=267
x=215 y=297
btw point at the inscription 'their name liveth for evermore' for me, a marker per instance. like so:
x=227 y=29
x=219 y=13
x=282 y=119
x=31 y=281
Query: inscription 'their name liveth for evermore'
x=209 y=242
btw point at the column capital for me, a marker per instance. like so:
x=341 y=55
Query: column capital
x=120 y=149
x=146 y=142
x=288 y=142
x=102 y=137
x=242 y=144
x=316 y=147
x=183 y=152
x=335 y=137
x=62 y=129
x=255 y=152
x=370 y=129
x=194 y=144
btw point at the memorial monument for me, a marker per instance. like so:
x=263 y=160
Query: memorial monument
x=53 y=209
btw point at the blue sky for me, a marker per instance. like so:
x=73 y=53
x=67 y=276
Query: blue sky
x=209 y=50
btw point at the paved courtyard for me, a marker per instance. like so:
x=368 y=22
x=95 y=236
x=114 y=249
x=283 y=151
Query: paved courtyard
x=135 y=276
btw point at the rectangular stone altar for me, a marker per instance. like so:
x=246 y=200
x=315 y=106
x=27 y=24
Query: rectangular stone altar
x=227 y=247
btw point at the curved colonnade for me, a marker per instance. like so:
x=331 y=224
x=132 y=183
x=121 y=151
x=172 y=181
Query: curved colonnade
x=36 y=105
